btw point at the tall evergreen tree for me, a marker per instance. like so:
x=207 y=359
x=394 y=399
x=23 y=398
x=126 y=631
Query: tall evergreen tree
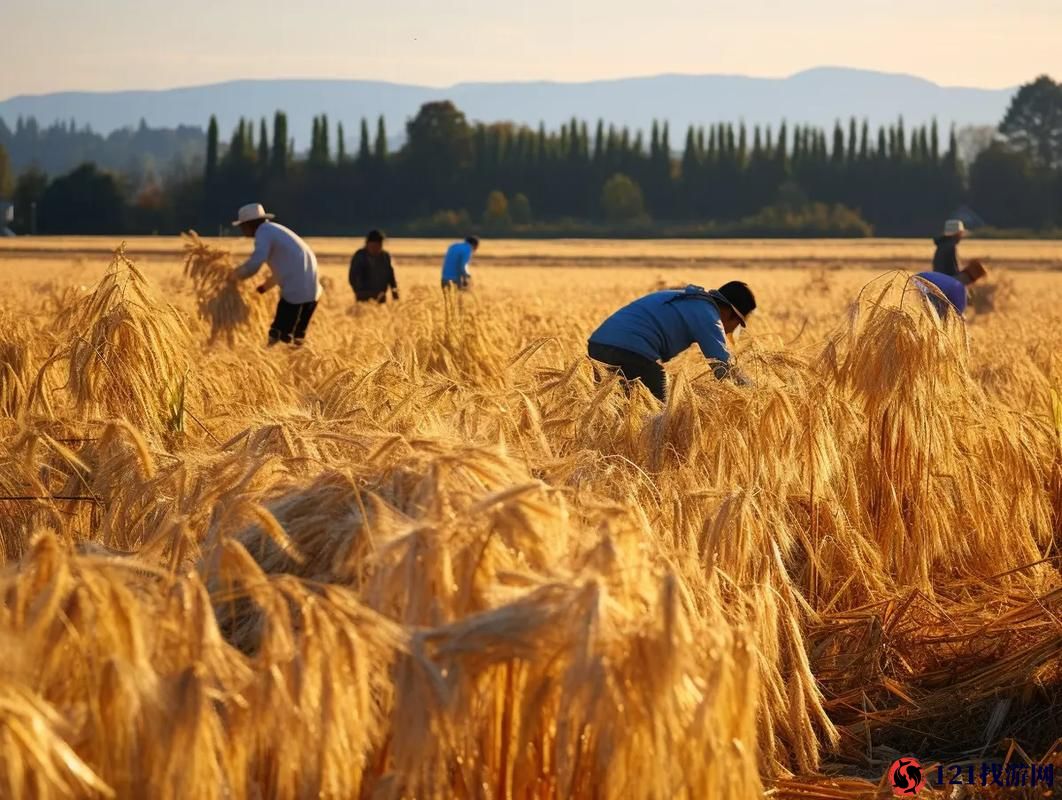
x=837 y=152
x=364 y=149
x=690 y=156
x=599 y=142
x=853 y=140
x=901 y=140
x=263 y=145
x=315 y=141
x=326 y=150
x=341 y=145
x=379 y=150
x=212 y=149
x=934 y=142
x=864 y=141
x=951 y=158
x=280 y=143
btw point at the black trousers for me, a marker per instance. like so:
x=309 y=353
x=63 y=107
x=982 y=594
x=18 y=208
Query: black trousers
x=631 y=367
x=291 y=321
x=369 y=298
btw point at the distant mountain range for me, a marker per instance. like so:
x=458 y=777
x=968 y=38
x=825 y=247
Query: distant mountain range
x=818 y=96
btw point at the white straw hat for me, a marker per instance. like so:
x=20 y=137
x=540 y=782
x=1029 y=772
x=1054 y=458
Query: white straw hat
x=954 y=226
x=250 y=213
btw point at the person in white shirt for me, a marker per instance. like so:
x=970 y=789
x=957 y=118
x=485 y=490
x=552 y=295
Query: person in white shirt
x=294 y=268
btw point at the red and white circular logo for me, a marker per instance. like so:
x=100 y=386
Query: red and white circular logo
x=905 y=777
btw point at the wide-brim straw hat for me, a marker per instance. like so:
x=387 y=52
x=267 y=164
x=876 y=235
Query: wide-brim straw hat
x=954 y=227
x=252 y=212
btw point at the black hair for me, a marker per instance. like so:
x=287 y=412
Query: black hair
x=374 y=236
x=472 y=240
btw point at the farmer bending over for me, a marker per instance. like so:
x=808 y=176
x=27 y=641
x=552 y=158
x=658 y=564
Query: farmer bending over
x=294 y=268
x=455 y=264
x=656 y=328
x=952 y=288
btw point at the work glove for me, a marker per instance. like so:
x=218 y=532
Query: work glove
x=394 y=294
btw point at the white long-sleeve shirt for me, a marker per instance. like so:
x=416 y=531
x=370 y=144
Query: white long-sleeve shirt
x=293 y=263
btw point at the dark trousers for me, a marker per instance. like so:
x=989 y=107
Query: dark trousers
x=291 y=321
x=631 y=367
x=369 y=298
x=461 y=283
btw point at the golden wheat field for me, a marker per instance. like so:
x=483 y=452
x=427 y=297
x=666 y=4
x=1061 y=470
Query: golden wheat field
x=427 y=556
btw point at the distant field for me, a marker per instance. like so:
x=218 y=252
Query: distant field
x=870 y=253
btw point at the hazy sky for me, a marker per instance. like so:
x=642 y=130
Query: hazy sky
x=51 y=45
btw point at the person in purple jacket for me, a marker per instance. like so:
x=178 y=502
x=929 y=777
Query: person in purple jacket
x=653 y=329
x=953 y=288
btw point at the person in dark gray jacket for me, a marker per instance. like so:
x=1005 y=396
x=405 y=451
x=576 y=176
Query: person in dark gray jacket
x=372 y=272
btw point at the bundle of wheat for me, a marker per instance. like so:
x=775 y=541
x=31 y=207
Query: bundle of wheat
x=16 y=364
x=126 y=353
x=229 y=306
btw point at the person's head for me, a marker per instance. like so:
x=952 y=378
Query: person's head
x=735 y=301
x=374 y=242
x=250 y=218
x=251 y=228
x=972 y=273
x=954 y=228
x=474 y=241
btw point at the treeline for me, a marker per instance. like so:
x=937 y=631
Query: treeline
x=136 y=153
x=451 y=175
x=500 y=176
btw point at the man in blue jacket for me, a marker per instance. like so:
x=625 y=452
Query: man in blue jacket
x=455 y=271
x=954 y=289
x=653 y=329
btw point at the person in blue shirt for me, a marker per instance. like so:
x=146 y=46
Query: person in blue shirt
x=954 y=289
x=635 y=340
x=455 y=272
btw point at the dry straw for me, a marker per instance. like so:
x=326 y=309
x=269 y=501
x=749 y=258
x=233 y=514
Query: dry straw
x=433 y=557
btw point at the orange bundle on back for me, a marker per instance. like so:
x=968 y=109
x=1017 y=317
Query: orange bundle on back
x=226 y=304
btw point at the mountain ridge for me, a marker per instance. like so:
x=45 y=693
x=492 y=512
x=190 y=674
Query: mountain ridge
x=817 y=96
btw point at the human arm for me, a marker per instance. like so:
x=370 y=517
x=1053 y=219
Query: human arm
x=270 y=282
x=258 y=257
x=391 y=281
x=352 y=274
x=711 y=338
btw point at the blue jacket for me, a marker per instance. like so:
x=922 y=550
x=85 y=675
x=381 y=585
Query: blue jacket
x=455 y=264
x=952 y=288
x=661 y=325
